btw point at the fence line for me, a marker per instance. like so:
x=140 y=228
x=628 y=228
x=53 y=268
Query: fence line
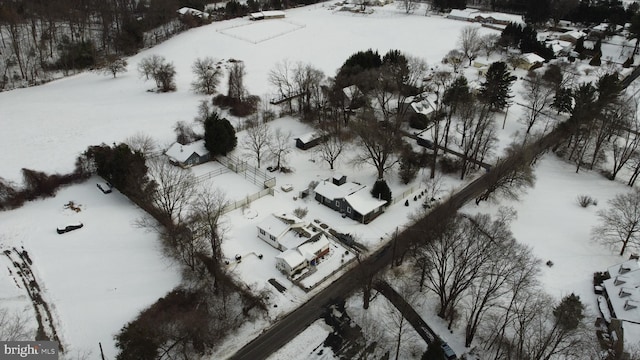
x=211 y=174
x=248 y=200
x=251 y=173
x=405 y=194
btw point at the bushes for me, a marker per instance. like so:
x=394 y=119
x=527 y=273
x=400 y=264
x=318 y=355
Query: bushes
x=241 y=108
x=76 y=55
x=449 y=165
x=586 y=200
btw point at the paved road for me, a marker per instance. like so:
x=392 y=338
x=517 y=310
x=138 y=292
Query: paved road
x=291 y=325
x=407 y=311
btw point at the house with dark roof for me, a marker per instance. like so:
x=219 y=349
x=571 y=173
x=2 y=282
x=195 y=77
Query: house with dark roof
x=189 y=154
x=349 y=198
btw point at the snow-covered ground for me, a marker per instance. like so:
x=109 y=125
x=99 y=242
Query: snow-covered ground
x=95 y=279
x=99 y=277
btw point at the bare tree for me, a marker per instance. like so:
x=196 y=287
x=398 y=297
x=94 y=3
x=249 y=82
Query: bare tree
x=620 y=223
x=282 y=78
x=236 y=89
x=174 y=188
x=307 y=81
x=510 y=180
x=143 y=143
x=258 y=141
x=378 y=143
x=207 y=75
x=395 y=321
x=477 y=131
x=625 y=147
x=149 y=65
x=14 y=326
x=538 y=97
x=470 y=42
x=409 y=6
x=489 y=43
x=185 y=134
x=454 y=58
x=280 y=147
x=114 y=65
x=455 y=254
x=331 y=148
x=206 y=219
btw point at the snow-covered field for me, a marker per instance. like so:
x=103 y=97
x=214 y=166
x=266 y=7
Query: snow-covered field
x=95 y=279
x=99 y=277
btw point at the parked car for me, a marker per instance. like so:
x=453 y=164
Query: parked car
x=449 y=354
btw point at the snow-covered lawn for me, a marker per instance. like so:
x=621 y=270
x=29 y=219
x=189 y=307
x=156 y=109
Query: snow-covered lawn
x=95 y=279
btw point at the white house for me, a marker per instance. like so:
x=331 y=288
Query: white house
x=189 y=154
x=622 y=292
x=274 y=228
x=529 y=60
x=301 y=244
x=294 y=261
x=572 y=36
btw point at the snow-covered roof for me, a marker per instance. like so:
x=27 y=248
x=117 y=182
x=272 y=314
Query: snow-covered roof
x=573 y=35
x=292 y=257
x=274 y=225
x=192 y=12
x=292 y=239
x=311 y=248
x=532 y=58
x=462 y=14
x=181 y=153
x=502 y=17
x=363 y=202
x=332 y=191
x=623 y=290
x=423 y=106
x=308 y=137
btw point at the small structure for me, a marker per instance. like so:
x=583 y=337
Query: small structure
x=349 y=198
x=192 y=12
x=189 y=154
x=572 y=36
x=293 y=261
x=622 y=293
x=473 y=15
x=308 y=140
x=265 y=15
x=529 y=61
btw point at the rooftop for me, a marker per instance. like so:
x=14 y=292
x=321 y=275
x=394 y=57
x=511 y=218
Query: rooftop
x=181 y=153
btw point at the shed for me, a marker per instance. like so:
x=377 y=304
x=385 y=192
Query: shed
x=265 y=15
x=308 y=140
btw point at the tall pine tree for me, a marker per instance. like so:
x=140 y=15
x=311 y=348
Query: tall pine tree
x=496 y=90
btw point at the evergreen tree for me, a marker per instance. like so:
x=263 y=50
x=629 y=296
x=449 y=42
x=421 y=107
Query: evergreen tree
x=569 y=313
x=563 y=100
x=495 y=91
x=219 y=135
x=381 y=190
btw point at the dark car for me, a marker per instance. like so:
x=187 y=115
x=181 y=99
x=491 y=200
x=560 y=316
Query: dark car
x=448 y=352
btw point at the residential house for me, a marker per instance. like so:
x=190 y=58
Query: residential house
x=192 y=12
x=417 y=105
x=529 y=61
x=350 y=199
x=293 y=261
x=308 y=140
x=473 y=15
x=301 y=245
x=572 y=36
x=622 y=293
x=189 y=154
